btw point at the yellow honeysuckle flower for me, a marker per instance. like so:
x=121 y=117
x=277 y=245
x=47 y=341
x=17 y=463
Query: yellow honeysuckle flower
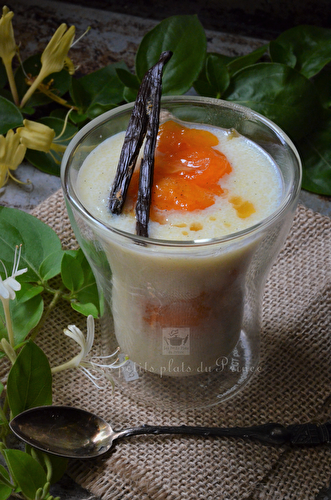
x=55 y=54
x=40 y=137
x=7 y=39
x=36 y=136
x=54 y=57
x=69 y=65
x=12 y=153
x=8 y=47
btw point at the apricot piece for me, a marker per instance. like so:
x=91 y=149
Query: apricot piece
x=187 y=171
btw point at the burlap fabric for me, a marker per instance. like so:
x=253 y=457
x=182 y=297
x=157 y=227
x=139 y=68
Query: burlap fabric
x=293 y=385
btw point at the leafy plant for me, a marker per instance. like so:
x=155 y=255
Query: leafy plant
x=60 y=275
x=42 y=106
x=288 y=80
x=45 y=260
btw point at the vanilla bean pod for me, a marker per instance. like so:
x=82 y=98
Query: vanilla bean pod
x=145 y=111
x=134 y=136
x=147 y=164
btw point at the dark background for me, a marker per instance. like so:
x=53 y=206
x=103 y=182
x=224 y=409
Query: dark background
x=254 y=18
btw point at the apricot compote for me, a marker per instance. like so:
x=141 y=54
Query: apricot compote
x=187 y=171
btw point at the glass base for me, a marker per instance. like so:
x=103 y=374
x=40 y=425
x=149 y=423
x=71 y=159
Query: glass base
x=208 y=388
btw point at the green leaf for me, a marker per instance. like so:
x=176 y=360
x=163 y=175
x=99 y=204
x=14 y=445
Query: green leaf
x=185 y=37
x=315 y=152
x=60 y=113
x=25 y=314
x=59 y=82
x=28 y=110
x=57 y=124
x=85 y=308
x=280 y=54
x=4 y=476
x=202 y=84
x=241 y=62
x=7 y=95
x=28 y=291
x=11 y=116
x=128 y=79
x=58 y=464
x=5 y=488
x=217 y=74
x=51 y=162
x=78 y=277
x=203 y=87
x=5 y=492
x=97 y=109
x=80 y=95
x=280 y=93
x=51 y=266
x=78 y=118
x=44 y=162
x=129 y=95
x=72 y=273
x=29 y=380
x=27 y=472
x=311 y=46
x=99 y=91
x=322 y=82
x=38 y=242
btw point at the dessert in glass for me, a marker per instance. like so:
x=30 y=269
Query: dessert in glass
x=184 y=304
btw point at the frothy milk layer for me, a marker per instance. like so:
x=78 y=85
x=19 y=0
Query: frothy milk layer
x=254 y=178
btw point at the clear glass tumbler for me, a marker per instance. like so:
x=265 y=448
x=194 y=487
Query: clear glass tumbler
x=185 y=315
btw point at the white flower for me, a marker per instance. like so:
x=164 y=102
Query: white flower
x=85 y=344
x=10 y=285
x=82 y=360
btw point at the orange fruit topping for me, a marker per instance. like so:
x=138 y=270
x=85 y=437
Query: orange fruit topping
x=187 y=171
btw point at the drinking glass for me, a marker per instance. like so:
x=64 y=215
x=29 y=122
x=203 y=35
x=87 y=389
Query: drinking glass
x=185 y=315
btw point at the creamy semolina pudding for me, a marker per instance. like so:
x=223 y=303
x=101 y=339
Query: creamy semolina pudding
x=174 y=314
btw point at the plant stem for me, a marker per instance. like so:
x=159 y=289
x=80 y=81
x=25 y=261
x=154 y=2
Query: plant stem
x=51 y=306
x=8 y=350
x=11 y=80
x=5 y=303
x=33 y=88
x=49 y=467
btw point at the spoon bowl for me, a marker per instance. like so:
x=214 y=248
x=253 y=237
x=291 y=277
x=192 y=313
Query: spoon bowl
x=74 y=433
x=64 y=431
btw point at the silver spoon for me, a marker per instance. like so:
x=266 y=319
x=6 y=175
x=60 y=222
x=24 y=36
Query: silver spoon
x=74 y=433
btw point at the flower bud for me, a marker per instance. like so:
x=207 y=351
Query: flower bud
x=7 y=39
x=55 y=54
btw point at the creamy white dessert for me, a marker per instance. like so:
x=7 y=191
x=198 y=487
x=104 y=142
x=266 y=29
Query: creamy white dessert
x=178 y=310
x=254 y=178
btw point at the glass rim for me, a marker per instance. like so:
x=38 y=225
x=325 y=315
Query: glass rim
x=238 y=235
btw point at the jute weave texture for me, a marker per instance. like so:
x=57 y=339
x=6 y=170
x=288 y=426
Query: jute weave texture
x=293 y=385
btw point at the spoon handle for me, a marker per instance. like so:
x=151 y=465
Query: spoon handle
x=271 y=433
